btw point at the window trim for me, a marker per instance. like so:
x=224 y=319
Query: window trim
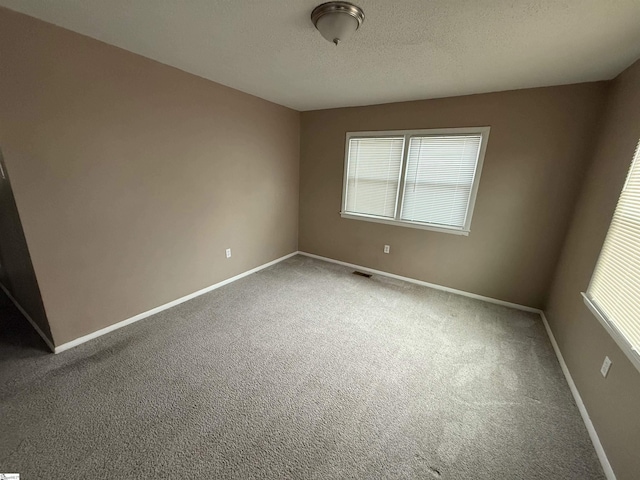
x=630 y=350
x=407 y=134
x=621 y=340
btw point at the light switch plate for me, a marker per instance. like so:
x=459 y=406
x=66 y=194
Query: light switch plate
x=606 y=365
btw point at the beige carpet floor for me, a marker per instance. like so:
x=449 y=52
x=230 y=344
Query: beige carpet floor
x=302 y=370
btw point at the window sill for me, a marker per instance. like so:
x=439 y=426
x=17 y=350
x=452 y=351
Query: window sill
x=404 y=223
x=629 y=350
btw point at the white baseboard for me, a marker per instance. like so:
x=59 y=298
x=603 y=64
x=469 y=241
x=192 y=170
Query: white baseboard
x=129 y=321
x=28 y=317
x=602 y=456
x=424 y=284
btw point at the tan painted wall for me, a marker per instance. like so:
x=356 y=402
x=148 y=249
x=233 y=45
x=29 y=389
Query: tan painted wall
x=16 y=270
x=539 y=145
x=612 y=402
x=132 y=177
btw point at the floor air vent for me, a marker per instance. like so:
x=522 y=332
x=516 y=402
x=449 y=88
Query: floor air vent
x=362 y=274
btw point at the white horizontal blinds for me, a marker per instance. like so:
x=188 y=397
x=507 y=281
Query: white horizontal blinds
x=615 y=285
x=439 y=178
x=374 y=175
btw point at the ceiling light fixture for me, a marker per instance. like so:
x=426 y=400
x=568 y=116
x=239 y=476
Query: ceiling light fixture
x=336 y=21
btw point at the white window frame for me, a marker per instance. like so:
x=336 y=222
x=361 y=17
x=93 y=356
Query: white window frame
x=621 y=340
x=609 y=325
x=407 y=134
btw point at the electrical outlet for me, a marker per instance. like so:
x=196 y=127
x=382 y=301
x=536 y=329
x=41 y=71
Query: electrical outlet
x=387 y=249
x=606 y=365
x=228 y=252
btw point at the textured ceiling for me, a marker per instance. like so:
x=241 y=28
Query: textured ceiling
x=405 y=50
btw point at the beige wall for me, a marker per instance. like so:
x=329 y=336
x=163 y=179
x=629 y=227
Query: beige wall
x=539 y=145
x=16 y=269
x=132 y=177
x=612 y=402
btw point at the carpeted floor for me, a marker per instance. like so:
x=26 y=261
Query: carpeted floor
x=302 y=370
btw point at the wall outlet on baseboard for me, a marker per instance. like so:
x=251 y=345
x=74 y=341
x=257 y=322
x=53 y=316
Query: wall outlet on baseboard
x=387 y=249
x=606 y=365
x=228 y=252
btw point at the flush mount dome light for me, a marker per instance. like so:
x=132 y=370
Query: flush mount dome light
x=336 y=21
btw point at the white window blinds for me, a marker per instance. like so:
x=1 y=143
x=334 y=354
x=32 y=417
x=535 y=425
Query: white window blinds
x=439 y=179
x=415 y=178
x=373 y=175
x=615 y=285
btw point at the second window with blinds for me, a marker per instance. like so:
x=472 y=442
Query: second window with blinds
x=420 y=178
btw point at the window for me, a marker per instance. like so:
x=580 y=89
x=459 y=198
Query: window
x=423 y=178
x=614 y=291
